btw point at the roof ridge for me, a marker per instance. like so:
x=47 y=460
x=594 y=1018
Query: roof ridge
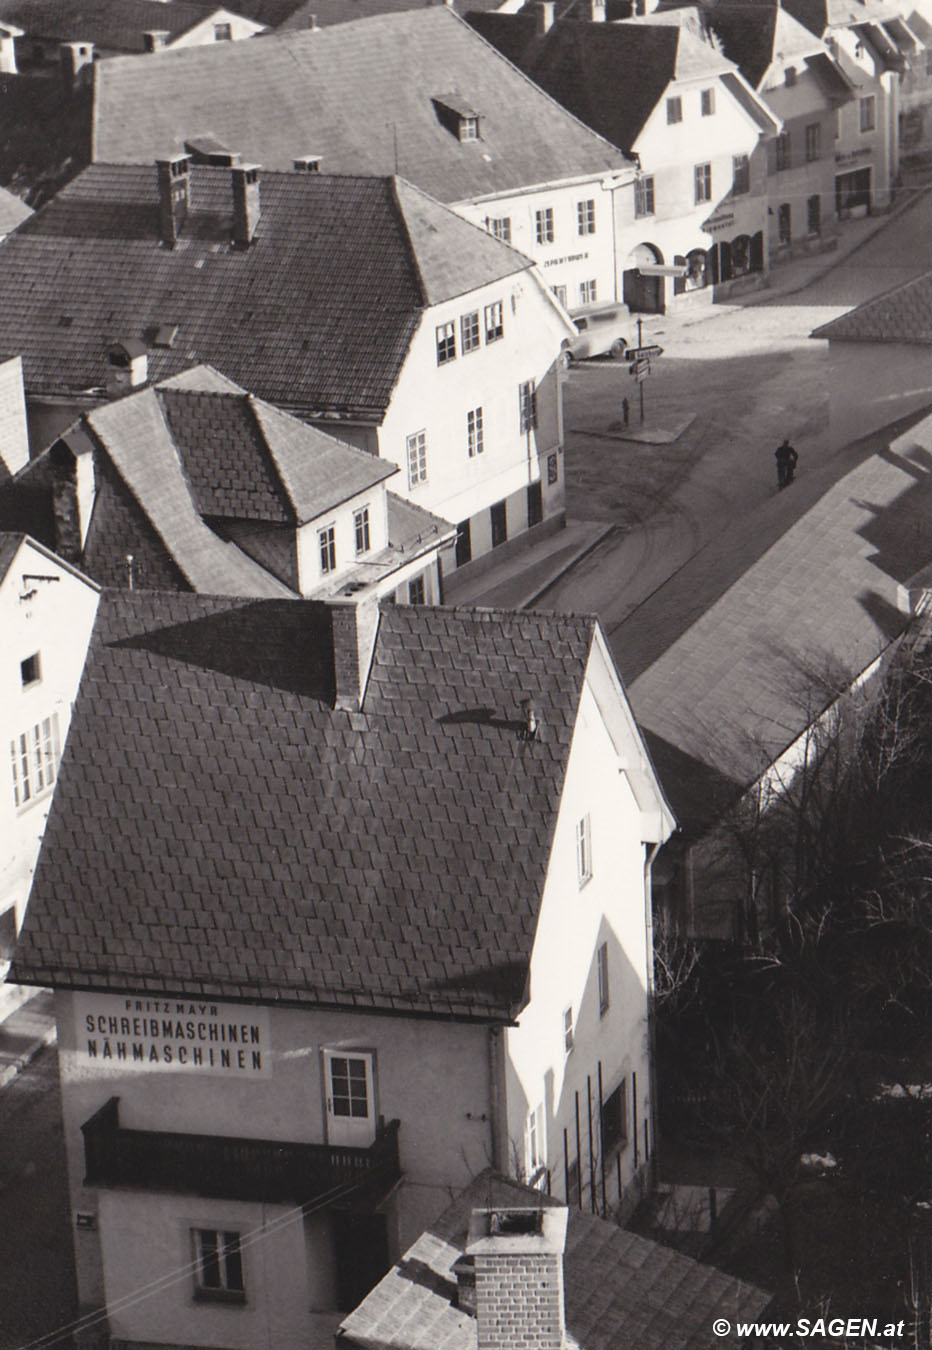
x=395 y=200
x=282 y=487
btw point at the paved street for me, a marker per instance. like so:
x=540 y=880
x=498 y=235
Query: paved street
x=36 y=1272
x=748 y=375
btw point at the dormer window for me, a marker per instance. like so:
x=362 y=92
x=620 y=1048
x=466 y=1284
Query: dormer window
x=458 y=116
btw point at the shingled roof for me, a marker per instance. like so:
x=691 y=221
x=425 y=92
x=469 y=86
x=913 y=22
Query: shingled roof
x=763 y=659
x=360 y=96
x=610 y=75
x=218 y=827
x=619 y=1289
x=902 y=314
x=113 y=25
x=317 y=314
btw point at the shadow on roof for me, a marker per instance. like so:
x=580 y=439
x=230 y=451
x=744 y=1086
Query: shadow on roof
x=283 y=644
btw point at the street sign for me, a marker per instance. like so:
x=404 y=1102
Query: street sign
x=641 y=367
x=641 y=375
x=642 y=353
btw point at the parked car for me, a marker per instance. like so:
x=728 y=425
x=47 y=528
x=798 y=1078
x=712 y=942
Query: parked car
x=601 y=332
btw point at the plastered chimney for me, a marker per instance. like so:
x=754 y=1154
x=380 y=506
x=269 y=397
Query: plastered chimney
x=354 y=629
x=127 y=366
x=246 y=207
x=14 y=435
x=518 y=1261
x=597 y=11
x=545 y=12
x=174 y=196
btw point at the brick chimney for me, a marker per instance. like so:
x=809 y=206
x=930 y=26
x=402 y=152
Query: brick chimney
x=518 y=1262
x=174 y=196
x=246 y=208
x=354 y=628
x=544 y=13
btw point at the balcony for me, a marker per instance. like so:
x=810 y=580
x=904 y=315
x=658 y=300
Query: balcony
x=238 y=1169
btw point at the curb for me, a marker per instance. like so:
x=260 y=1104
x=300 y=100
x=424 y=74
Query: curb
x=23 y=1034
x=568 y=567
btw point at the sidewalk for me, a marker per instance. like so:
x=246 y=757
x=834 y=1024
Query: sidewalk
x=519 y=581
x=24 y=1032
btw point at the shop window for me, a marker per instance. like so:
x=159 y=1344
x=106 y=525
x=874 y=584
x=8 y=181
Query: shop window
x=741 y=256
x=741 y=175
x=814 y=214
x=697 y=273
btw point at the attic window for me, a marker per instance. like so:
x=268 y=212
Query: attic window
x=165 y=335
x=457 y=116
x=469 y=128
x=66 y=320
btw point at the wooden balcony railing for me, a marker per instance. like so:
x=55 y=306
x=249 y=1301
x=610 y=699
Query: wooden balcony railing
x=237 y=1169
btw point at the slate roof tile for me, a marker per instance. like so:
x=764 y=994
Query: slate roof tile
x=902 y=314
x=359 y=95
x=304 y=317
x=206 y=814
x=620 y=1289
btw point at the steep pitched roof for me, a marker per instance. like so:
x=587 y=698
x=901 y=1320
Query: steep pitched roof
x=262 y=845
x=317 y=314
x=13 y=211
x=327 y=12
x=746 y=33
x=610 y=75
x=358 y=94
x=620 y=1289
x=762 y=660
x=902 y=314
x=113 y=25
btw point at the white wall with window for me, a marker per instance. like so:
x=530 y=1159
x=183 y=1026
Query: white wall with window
x=220 y=25
x=592 y=953
x=567 y=228
x=867 y=145
x=46 y=613
x=478 y=428
x=330 y=546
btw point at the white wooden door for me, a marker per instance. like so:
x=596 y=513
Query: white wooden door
x=350 y=1088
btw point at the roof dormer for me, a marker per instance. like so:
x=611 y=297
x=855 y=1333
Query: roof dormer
x=459 y=117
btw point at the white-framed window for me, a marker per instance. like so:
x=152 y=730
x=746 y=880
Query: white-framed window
x=644 y=196
x=34 y=756
x=741 y=175
x=469 y=127
x=30 y=670
x=500 y=227
x=349 y=1082
x=475 y=434
x=708 y=102
x=703 y=180
x=361 y=529
x=218 y=1265
x=568 y=1030
x=867 y=113
x=588 y=292
x=446 y=342
x=417 y=591
x=417 y=458
x=585 y=216
x=674 y=110
x=469 y=332
x=584 y=849
x=327 y=540
x=494 y=321
x=536 y=1143
x=560 y=293
x=602 y=967
x=543 y=225
x=527 y=405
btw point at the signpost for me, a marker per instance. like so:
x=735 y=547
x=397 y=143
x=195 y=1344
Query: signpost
x=640 y=358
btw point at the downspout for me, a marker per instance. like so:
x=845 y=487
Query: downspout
x=498 y=1127
x=651 y=1163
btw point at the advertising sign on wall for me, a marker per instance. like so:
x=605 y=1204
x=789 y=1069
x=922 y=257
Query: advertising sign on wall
x=179 y=1035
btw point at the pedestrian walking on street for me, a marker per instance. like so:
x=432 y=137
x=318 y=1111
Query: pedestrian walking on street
x=787 y=459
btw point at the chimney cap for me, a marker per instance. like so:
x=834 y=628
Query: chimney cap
x=513 y=1230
